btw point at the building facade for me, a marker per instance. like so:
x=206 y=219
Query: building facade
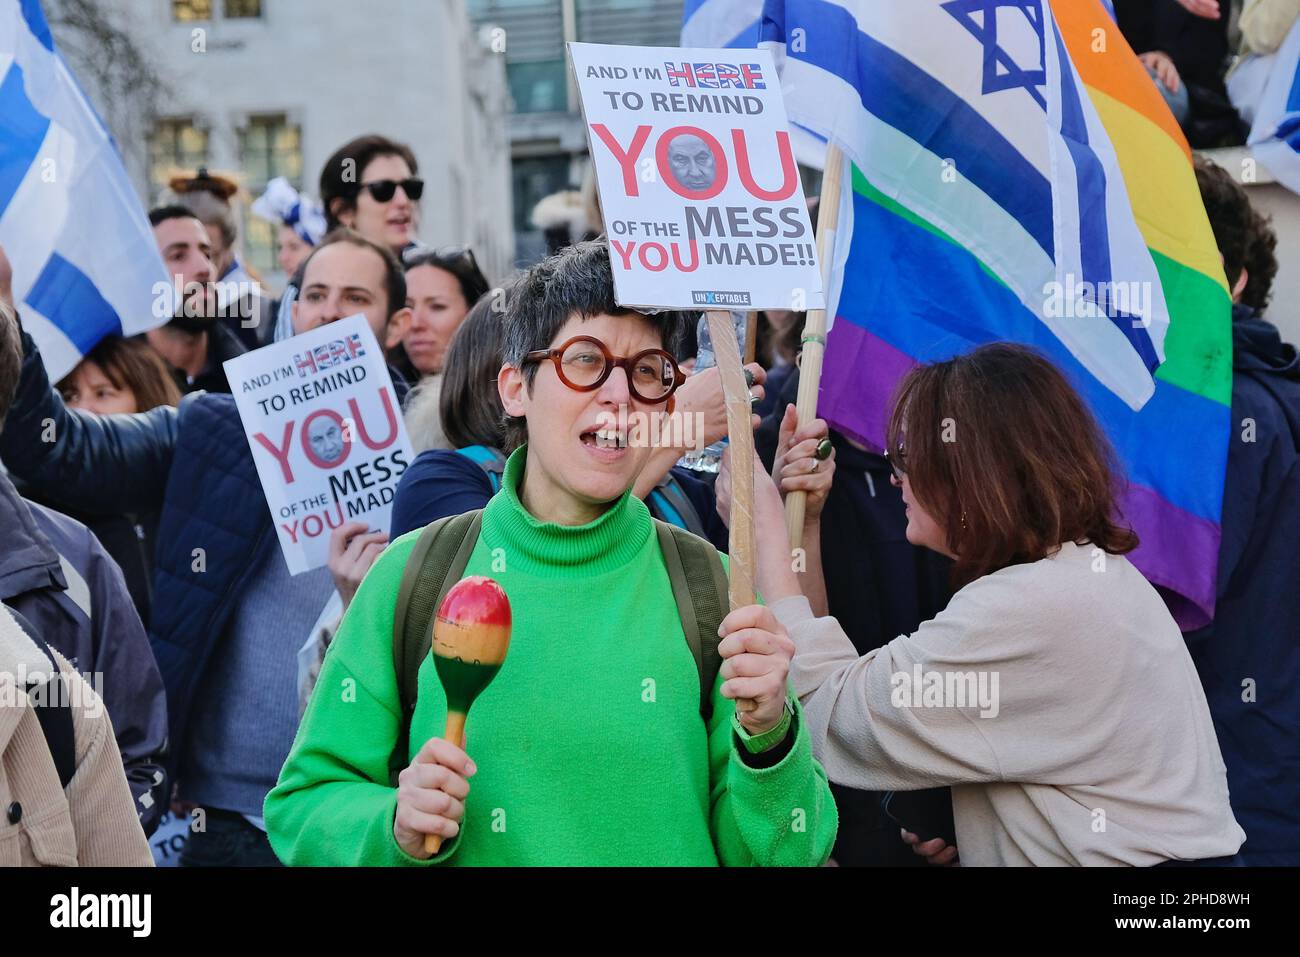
x=273 y=87
x=548 y=142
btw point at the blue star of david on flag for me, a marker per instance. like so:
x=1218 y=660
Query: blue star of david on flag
x=1001 y=72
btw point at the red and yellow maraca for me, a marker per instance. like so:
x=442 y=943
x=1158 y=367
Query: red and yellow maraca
x=471 y=634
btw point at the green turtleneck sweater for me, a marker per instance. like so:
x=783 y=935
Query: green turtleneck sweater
x=589 y=743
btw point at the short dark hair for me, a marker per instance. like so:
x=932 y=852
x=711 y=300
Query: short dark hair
x=394 y=278
x=340 y=178
x=576 y=281
x=461 y=264
x=11 y=358
x=1244 y=236
x=160 y=214
x=469 y=403
x=1003 y=453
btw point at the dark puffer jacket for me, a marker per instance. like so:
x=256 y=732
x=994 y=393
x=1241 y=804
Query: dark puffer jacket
x=56 y=574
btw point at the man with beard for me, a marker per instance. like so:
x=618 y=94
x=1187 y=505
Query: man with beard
x=194 y=344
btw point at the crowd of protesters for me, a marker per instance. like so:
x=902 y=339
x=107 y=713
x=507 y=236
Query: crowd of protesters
x=1208 y=59
x=637 y=722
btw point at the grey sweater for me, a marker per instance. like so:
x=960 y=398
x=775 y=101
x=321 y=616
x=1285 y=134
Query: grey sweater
x=247 y=713
x=1056 y=698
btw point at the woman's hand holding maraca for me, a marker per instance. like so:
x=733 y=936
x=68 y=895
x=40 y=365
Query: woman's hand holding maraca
x=431 y=796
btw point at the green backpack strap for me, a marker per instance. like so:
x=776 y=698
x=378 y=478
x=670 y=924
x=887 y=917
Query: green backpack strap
x=436 y=563
x=700 y=590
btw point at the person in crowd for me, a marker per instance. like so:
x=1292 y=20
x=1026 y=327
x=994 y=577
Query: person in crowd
x=467 y=414
x=121 y=375
x=1053 y=648
x=1264 y=25
x=878 y=586
x=300 y=222
x=441 y=286
x=57 y=575
x=777 y=349
x=370 y=185
x=1184 y=46
x=241 y=306
x=1249 y=656
x=194 y=343
x=88 y=822
x=227 y=618
x=556 y=740
x=564 y=218
x=106 y=817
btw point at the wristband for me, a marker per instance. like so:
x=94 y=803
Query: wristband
x=758 y=743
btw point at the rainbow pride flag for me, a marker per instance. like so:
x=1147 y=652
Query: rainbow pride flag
x=1017 y=177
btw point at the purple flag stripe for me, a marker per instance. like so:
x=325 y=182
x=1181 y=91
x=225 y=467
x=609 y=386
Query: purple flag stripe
x=1179 y=551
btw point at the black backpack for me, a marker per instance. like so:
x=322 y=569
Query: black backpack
x=51 y=702
x=438 y=561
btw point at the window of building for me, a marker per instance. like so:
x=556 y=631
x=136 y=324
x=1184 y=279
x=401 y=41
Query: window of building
x=538 y=87
x=535 y=177
x=239 y=9
x=269 y=146
x=651 y=23
x=175 y=144
x=192 y=10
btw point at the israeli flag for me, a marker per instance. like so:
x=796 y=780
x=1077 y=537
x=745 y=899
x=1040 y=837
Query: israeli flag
x=85 y=264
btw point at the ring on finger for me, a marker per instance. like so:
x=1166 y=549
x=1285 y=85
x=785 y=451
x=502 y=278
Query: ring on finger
x=824 y=450
x=815 y=464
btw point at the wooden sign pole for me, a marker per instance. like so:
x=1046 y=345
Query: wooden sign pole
x=740 y=430
x=814 y=332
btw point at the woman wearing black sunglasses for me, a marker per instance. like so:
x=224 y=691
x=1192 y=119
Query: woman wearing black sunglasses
x=370 y=184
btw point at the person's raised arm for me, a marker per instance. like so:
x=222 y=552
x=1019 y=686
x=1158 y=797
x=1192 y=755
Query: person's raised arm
x=98 y=464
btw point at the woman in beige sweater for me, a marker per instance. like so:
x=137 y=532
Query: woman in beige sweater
x=1054 y=694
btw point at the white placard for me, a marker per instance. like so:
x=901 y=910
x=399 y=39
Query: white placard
x=326 y=432
x=698 y=183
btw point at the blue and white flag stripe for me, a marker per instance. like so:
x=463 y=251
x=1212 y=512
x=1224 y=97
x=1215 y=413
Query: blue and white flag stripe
x=721 y=23
x=84 y=260
x=973 y=117
x=1275 y=134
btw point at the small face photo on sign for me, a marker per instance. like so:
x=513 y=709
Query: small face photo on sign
x=692 y=162
x=326 y=438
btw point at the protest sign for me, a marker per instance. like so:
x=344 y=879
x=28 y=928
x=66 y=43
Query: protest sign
x=326 y=433
x=698 y=182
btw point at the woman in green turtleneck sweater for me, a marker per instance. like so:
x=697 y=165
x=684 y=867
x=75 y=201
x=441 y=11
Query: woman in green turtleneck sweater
x=588 y=748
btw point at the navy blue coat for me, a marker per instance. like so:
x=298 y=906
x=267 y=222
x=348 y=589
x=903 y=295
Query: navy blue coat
x=1249 y=657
